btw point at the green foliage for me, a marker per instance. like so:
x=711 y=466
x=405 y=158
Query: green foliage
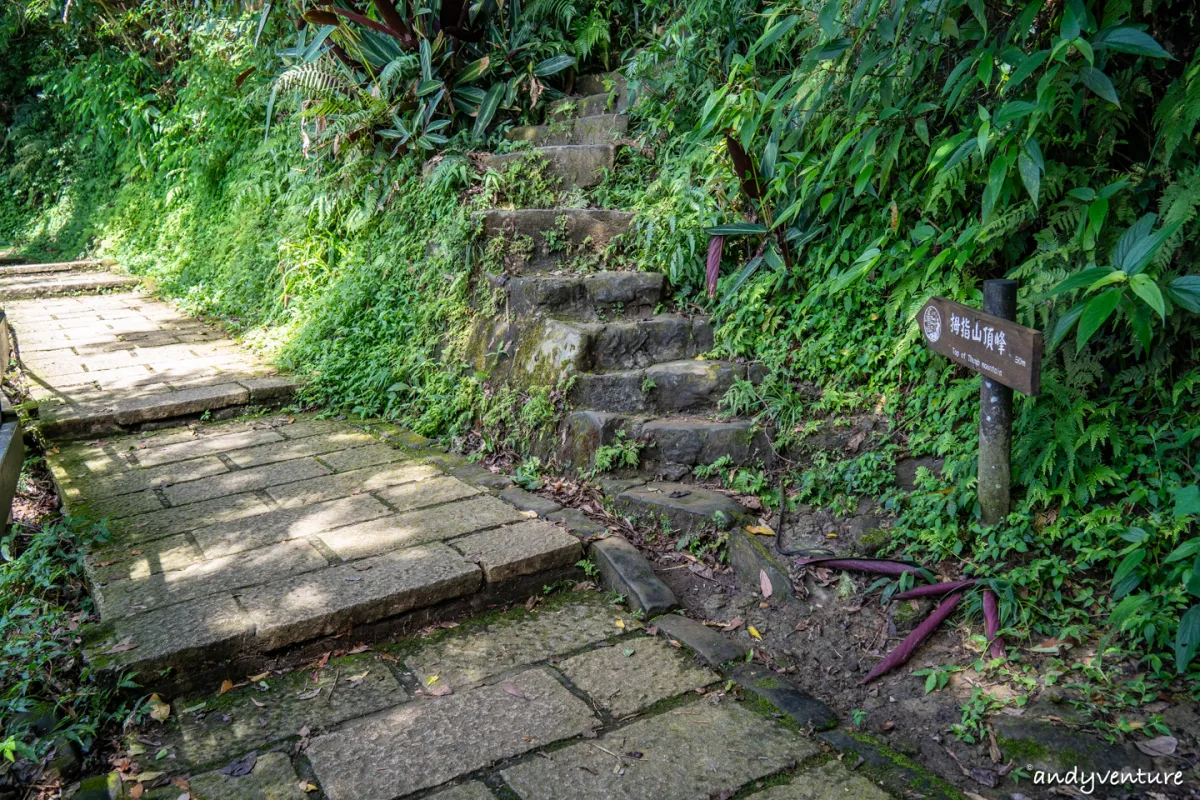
x=42 y=603
x=623 y=453
x=429 y=78
x=895 y=150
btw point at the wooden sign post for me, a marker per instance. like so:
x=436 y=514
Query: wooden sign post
x=1008 y=356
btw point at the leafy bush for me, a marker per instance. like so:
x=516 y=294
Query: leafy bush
x=860 y=158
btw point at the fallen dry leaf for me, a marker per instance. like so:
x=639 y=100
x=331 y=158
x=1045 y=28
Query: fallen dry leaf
x=258 y=704
x=761 y=530
x=305 y=786
x=309 y=695
x=765 y=583
x=137 y=791
x=262 y=676
x=1158 y=746
x=754 y=632
x=620 y=623
x=530 y=513
x=440 y=689
x=240 y=766
x=226 y=686
x=159 y=711
x=733 y=624
x=514 y=691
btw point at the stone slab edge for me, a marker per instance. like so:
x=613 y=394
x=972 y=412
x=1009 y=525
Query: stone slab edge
x=895 y=772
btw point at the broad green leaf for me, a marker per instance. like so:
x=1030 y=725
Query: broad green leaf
x=1116 y=276
x=1128 y=565
x=1031 y=176
x=831 y=50
x=1125 y=610
x=1187 y=503
x=1186 y=292
x=991 y=193
x=921 y=129
x=735 y=228
x=1025 y=69
x=1187 y=639
x=827 y=18
x=1127 y=39
x=1142 y=251
x=980 y=13
x=553 y=65
x=1095 y=314
x=473 y=71
x=1192 y=546
x=1070 y=28
x=1145 y=287
x=1010 y=112
x=1064 y=325
x=425 y=88
x=1133 y=233
x=1097 y=211
x=1083 y=194
x=487 y=109
x=1099 y=83
x=1080 y=279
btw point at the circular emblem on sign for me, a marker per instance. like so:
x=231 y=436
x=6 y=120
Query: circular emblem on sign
x=931 y=322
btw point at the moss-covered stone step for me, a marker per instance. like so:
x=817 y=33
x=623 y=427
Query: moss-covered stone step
x=596 y=129
x=675 y=386
x=594 y=94
x=671 y=446
x=545 y=238
x=576 y=166
x=585 y=296
x=685 y=508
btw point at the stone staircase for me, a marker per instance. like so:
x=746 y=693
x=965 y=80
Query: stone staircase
x=636 y=367
x=24 y=281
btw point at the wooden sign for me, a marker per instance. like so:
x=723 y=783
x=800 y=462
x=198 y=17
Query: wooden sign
x=997 y=348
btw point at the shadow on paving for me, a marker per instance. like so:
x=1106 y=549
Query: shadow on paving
x=241 y=538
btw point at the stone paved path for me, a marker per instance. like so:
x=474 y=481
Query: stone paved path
x=239 y=538
x=574 y=700
x=98 y=363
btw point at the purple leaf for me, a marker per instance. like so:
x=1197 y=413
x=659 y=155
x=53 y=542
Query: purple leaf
x=744 y=167
x=991 y=619
x=716 y=246
x=875 y=565
x=934 y=589
x=905 y=649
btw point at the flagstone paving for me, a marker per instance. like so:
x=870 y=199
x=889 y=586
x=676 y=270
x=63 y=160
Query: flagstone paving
x=233 y=537
x=102 y=363
x=517 y=706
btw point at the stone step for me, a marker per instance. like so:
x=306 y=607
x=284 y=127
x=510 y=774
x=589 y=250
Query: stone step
x=672 y=446
x=576 y=166
x=539 y=350
x=661 y=388
x=597 y=129
x=686 y=507
x=584 y=296
x=634 y=344
x=54 y=266
x=599 y=82
x=549 y=236
x=593 y=97
x=22 y=287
